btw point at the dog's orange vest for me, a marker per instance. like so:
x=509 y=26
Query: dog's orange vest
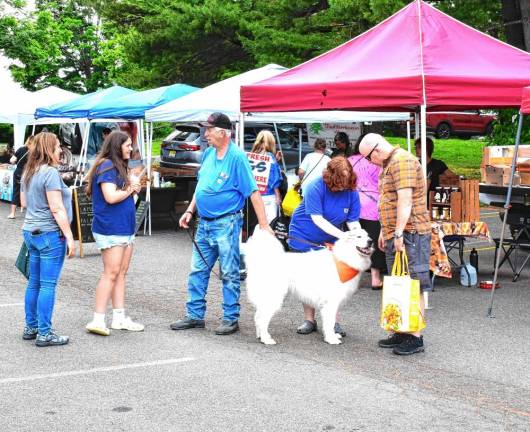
x=346 y=273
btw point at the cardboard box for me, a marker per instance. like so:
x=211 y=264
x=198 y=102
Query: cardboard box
x=503 y=155
x=499 y=175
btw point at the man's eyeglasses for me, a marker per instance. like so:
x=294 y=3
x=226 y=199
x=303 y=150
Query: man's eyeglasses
x=368 y=157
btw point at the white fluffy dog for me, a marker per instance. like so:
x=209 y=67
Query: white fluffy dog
x=313 y=277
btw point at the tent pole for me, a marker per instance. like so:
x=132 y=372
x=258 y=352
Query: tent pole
x=33 y=129
x=507 y=206
x=280 y=145
x=241 y=131
x=299 y=146
x=423 y=123
x=150 y=159
x=408 y=135
x=416 y=125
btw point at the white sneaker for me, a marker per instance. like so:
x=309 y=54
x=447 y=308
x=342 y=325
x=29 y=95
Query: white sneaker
x=97 y=328
x=127 y=324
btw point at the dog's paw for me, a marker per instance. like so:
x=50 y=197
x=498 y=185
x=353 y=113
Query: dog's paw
x=338 y=335
x=333 y=340
x=268 y=341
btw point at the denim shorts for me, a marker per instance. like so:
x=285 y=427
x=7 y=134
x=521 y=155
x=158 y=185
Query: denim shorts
x=108 y=241
x=418 y=248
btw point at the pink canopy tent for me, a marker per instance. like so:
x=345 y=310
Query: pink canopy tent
x=525 y=105
x=417 y=57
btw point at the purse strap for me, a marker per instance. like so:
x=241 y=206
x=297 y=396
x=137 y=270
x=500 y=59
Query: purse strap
x=312 y=169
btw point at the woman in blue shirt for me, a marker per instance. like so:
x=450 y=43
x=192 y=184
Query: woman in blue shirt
x=329 y=202
x=113 y=227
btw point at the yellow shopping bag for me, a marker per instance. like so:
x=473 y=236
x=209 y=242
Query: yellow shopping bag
x=292 y=200
x=400 y=310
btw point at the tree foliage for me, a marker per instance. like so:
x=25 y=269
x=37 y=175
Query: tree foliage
x=61 y=43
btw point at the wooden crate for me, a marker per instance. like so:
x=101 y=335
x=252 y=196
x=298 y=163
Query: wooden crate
x=455 y=205
x=470 y=200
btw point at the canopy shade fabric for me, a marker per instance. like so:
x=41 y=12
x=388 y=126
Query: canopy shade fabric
x=134 y=105
x=525 y=106
x=418 y=56
x=224 y=96
x=80 y=107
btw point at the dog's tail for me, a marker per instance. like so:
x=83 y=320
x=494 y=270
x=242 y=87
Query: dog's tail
x=264 y=256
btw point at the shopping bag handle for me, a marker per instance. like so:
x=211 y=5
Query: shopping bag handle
x=401 y=264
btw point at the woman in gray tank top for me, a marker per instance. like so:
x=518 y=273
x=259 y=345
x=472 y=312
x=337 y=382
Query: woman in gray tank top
x=47 y=235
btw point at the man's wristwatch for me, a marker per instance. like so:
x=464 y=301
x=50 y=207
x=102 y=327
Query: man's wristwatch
x=189 y=211
x=398 y=234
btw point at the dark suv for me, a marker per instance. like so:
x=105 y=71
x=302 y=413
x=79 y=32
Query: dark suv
x=183 y=148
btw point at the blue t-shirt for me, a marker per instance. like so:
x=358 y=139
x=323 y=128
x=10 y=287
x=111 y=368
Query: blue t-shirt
x=275 y=176
x=111 y=219
x=335 y=207
x=223 y=184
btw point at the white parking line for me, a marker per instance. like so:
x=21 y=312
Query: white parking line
x=96 y=370
x=11 y=304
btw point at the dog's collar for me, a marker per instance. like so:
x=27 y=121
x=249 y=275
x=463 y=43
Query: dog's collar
x=345 y=272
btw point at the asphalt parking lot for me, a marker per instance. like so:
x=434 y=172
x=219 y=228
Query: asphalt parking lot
x=474 y=374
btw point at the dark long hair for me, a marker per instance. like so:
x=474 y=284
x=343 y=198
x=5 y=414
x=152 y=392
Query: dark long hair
x=111 y=151
x=40 y=153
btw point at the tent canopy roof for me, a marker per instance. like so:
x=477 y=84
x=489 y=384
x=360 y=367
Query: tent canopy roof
x=418 y=56
x=224 y=96
x=134 y=105
x=525 y=106
x=81 y=106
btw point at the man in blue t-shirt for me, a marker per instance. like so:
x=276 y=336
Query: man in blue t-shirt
x=224 y=182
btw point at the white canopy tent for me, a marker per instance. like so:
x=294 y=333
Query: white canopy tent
x=20 y=105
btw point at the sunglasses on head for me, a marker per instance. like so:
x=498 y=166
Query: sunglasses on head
x=368 y=157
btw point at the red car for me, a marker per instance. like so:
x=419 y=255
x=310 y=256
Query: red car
x=466 y=123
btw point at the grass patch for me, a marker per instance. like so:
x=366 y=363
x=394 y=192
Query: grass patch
x=462 y=156
x=155 y=151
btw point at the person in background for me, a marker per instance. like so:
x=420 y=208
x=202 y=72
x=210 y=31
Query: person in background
x=435 y=167
x=47 y=235
x=105 y=133
x=313 y=164
x=225 y=181
x=405 y=223
x=266 y=144
x=342 y=145
x=367 y=186
x=113 y=227
x=329 y=202
x=20 y=158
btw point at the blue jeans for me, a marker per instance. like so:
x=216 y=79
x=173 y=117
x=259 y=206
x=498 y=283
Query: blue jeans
x=46 y=257
x=218 y=239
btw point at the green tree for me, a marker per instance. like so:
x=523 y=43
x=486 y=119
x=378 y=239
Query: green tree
x=61 y=43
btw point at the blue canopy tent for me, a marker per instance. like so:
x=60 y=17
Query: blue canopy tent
x=133 y=106
x=80 y=107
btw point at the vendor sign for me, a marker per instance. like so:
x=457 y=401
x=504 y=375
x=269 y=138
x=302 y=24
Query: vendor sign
x=6 y=182
x=260 y=164
x=328 y=131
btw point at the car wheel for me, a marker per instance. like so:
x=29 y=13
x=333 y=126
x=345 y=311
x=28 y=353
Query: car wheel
x=489 y=129
x=443 y=131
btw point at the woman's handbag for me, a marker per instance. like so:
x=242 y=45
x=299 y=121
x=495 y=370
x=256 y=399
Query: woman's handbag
x=400 y=310
x=280 y=226
x=292 y=199
x=22 y=262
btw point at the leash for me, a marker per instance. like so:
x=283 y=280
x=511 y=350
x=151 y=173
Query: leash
x=192 y=237
x=299 y=240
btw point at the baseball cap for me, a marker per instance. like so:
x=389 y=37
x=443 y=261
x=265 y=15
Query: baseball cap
x=217 y=119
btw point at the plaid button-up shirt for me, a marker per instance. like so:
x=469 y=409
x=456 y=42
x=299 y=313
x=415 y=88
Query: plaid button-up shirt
x=400 y=171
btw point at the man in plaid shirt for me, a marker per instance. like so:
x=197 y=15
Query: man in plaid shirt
x=405 y=223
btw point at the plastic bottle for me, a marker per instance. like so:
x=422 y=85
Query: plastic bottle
x=473 y=259
x=466 y=280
